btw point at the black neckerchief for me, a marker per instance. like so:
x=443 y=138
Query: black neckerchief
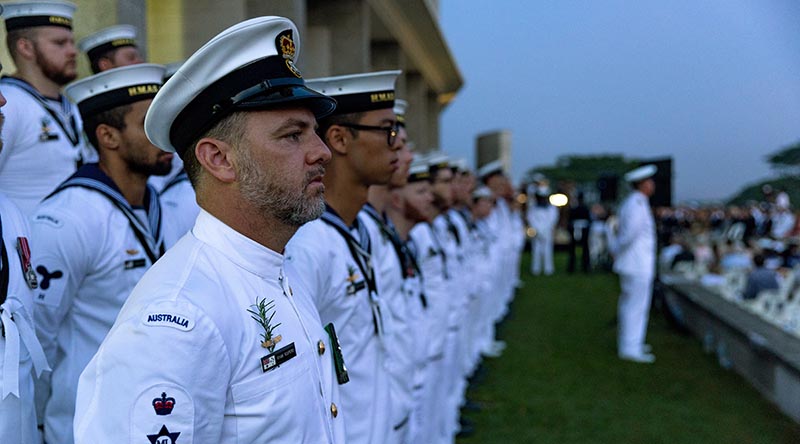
x=360 y=250
x=150 y=237
x=4 y=265
x=451 y=227
x=67 y=111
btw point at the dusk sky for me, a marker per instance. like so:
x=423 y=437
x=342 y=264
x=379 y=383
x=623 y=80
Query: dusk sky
x=715 y=84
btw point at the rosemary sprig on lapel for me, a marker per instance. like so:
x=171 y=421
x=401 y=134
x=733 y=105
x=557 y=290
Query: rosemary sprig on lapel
x=260 y=312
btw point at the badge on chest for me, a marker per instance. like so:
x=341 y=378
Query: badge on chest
x=278 y=357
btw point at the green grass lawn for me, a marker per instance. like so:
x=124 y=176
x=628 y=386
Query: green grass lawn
x=559 y=381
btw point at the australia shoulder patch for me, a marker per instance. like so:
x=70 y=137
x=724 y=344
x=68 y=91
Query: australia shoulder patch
x=168 y=315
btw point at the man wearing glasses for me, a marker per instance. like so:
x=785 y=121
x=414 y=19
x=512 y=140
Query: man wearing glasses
x=334 y=253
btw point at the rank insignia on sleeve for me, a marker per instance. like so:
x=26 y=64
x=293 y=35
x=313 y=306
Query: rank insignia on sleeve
x=24 y=252
x=164 y=436
x=275 y=359
x=163 y=405
x=260 y=312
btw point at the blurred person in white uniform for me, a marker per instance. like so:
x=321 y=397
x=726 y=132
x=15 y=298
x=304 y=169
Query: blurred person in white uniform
x=41 y=123
x=96 y=234
x=111 y=47
x=334 y=254
x=635 y=263
x=216 y=344
x=21 y=356
x=543 y=218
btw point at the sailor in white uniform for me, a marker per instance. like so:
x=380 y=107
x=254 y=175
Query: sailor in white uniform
x=393 y=271
x=42 y=137
x=216 y=344
x=409 y=205
x=334 y=254
x=543 y=218
x=96 y=234
x=634 y=251
x=111 y=47
x=21 y=356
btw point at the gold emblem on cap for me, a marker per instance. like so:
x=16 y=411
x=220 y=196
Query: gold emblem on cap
x=123 y=42
x=287 y=46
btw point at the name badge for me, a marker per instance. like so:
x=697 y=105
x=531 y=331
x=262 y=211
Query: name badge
x=356 y=287
x=135 y=263
x=278 y=357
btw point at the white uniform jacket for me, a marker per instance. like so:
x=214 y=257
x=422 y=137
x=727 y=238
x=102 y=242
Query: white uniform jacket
x=322 y=259
x=398 y=287
x=543 y=219
x=187 y=362
x=436 y=285
x=88 y=258
x=635 y=246
x=41 y=148
x=180 y=208
x=20 y=352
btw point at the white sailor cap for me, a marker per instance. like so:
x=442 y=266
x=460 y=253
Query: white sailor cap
x=97 y=44
x=459 y=165
x=172 y=68
x=641 y=173
x=419 y=171
x=438 y=160
x=482 y=192
x=116 y=87
x=18 y=15
x=490 y=169
x=400 y=107
x=249 y=66
x=356 y=93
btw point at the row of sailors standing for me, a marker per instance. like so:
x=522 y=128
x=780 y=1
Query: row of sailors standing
x=413 y=297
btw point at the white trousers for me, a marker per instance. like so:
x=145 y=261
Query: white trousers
x=542 y=250
x=633 y=311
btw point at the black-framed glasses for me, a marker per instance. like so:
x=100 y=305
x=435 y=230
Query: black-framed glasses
x=391 y=131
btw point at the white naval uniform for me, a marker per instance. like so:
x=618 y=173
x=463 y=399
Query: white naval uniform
x=180 y=208
x=437 y=282
x=634 y=261
x=20 y=352
x=186 y=333
x=38 y=154
x=399 y=289
x=88 y=260
x=325 y=265
x=543 y=219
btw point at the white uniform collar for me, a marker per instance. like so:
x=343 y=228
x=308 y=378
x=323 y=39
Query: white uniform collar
x=237 y=247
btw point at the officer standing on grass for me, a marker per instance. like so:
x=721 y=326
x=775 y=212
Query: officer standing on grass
x=634 y=260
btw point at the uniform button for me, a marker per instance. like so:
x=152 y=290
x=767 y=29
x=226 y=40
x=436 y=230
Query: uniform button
x=334 y=410
x=321 y=347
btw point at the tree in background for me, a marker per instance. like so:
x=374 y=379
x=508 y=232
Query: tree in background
x=785 y=162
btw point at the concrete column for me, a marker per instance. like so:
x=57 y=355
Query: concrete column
x=432 y=122
x=203 y=19
x=348 y=22
x=134 y=12
x=417 y=117
x=491 y=146
x=388 y=56
x=294 y=10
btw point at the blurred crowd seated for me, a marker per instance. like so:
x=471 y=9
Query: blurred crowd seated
x=748 y=254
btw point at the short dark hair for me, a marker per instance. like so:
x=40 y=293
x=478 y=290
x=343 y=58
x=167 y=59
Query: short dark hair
x=759 y=260
x=115 y=118
x=16 y=35
x=94 y=62
x=230 y=129
x=338 y=119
